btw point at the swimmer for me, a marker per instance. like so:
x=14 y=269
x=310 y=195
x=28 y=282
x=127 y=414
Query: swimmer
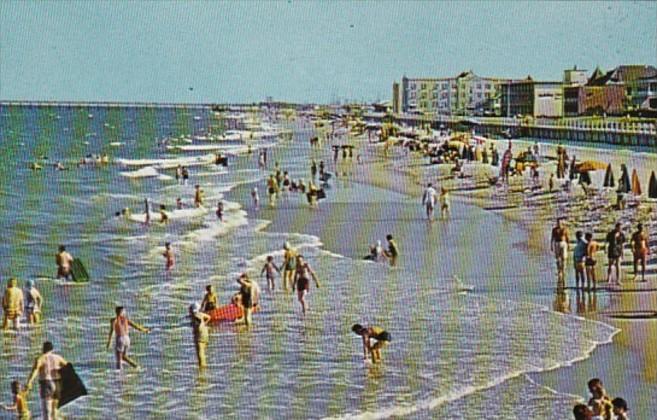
x=269 y=269
x=381 y=336
x=169 y=257
x=302 y=281
x=63 y=260
x=19 y=404
x=33 y=303
x=179 y=174
x=119 y=326
x=200 y=332
x=640 y=251
x=147 y=211
x=185 y=175
x=198 y=196
x=179 y=204
x=272 y=188
x=209 y=302
x=164 y=217
x=12 y=305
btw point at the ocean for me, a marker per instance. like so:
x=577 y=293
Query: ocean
x=468 y=307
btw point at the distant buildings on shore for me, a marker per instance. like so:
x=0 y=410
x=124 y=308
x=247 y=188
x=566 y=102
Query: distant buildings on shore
x=627 y=89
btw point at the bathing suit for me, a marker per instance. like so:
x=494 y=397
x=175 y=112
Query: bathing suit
x=247 y=301
x=122 y=342
x=380 y=334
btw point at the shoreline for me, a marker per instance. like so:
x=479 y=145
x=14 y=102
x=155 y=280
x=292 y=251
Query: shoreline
x=411 y=190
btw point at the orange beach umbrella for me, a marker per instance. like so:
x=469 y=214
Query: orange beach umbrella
x=636 y=186
x=591 y=165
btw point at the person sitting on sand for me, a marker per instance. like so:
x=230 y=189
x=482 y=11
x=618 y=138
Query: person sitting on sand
x=640 y=250
x=63 y=260
x=615 y=242
x=210 y=299
x=381 y=336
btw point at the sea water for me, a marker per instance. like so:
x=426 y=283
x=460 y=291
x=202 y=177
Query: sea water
x=460 y=345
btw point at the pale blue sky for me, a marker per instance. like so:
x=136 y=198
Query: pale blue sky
x=301 y=51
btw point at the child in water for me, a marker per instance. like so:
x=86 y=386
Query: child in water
x=381 y=336
x=269 y=268
x=168 y=255
x=20 y=402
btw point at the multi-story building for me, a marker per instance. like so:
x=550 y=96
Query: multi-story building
x=465 y=94
x=575 y=77
x=639 y=82
x=529 y=97
x=594 y=100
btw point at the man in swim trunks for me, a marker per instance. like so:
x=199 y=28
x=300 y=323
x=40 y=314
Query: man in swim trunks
x=381 y=336
x=640 y=250
x=12 y=305
x=119 y=327
x=33 y=302
x=255 y=197
x=209 y=302
x=164 y=217
x=63 y=260
x=558 y=232
x=393 y=252
x=220 y=211
x=289 y=265
x=47 y=367
x=444 y=203
x=429 y=200
x=615 y=242
x=598 y=394
x=301 y=283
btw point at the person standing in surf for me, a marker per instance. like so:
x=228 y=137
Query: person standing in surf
x=19 y=403
x=12 y=305
x=119 y=326
x=33 y=303
x=200 y=333
x=63 y=260
x=255 y=197
x=270 y=269
x=591 y=249
x=220 y=211
x=301 y=283
x=444 y=203
x=640 y=250
x=429 y=200
x=247 y=298
x=289 y=265
x=381 y=336
x=198 y=196
x=559 y=232
x=47 y=367
x=169 y=258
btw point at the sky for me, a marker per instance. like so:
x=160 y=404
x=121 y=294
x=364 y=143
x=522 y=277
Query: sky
x=301 y=51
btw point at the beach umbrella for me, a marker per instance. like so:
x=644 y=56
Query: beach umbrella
x=609 y=178
x=652 y=186
x=624 y=185
x=636 y=186
x=590 y=165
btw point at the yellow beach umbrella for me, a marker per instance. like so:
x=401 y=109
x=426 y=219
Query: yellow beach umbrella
x=591 y=165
